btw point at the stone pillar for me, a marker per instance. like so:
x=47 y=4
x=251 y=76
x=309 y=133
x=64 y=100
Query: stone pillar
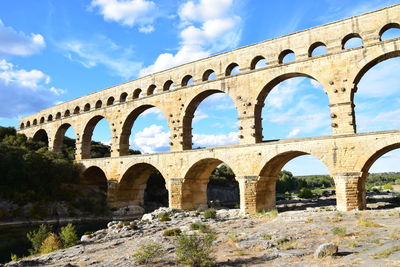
x=342 y=118
x=81 y=152
x=247 y=130
x=266 y=193
x=112 y=193
x=248 y=194
x=348 y=191
x=175 y=193
x=115 y=146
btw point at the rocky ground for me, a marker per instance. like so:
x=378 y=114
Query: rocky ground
x=290 y=238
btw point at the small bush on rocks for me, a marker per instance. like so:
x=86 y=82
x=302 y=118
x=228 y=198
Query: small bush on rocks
x=148 y=253
x=50 y=244
x=195 y=250
x=172 y=232
x=305 y=193
x=340 y=231
x=364 y=222
x=199 y=226
x=36 y=237
x=163 y=217
x=210 y=214
x=68 y=236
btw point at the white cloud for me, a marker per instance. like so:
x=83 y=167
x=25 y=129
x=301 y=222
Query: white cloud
x=208 y=26
x=18 y=43
x=283 y=93
x=102 y=52
x=316 y=84
x=128 y=12
x=156 y=111
x=24 y=91
x=199 y=115
x=152 y=139
x=207 y=140
x=293 y=133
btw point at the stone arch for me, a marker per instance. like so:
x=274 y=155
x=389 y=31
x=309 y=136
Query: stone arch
x=87 y=135
x=94 y=175
x=59 y=137
x=194 y=187
x=86 y=107
x=189 y=115
x=34 y=122
x=77 y=110
x=187 y=80
x=123 y=97
x=22 y=125
x=207 y=74
x=151 y=90
x=268 y=176
x=110 y=101
x=49 y=118
x=350 y=36
x=98 y=104
x=230 y=68
x=136 y=93
x=41 y=136
x=392 y=25
x=285 y=53
x=263 y=95
x=58 y=115
x=28 y=124
x=127 y=127
x=255 y=61
x=168 y=85
x=131 y=188
x=315 y=46
x=41 y=120
x=67 y=113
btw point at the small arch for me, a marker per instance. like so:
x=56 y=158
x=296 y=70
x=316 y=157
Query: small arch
x=58 y=115
x=50 y=118
x=258 y=62
x=168 y=85
x=389 y=31
x=22 y=126
x=317 y=49
x=41 y=120
x=123 y=97
x=136 y=93
x=88 y=133
x=94 y=182
x=98 y=104
x=208 y=75
x=110 y=101
x=59 y=137
x=86 y=107
x=352 y=40
x=67 y=113
x=34 y=122
x=151 y=90
x=41 y=136
x=77 y=110
x=232 y=69
x=286 y=56
x=187 y=81
x=28 y=124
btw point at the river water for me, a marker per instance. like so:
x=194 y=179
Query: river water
x=13 y=238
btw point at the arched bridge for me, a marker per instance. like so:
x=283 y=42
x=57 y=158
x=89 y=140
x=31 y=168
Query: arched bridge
x=178 y=91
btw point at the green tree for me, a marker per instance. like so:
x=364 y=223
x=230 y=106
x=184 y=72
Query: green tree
x=68 y=236
x=36 y=237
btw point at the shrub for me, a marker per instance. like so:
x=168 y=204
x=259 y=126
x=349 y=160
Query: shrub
x=68 y=236
x=148 y=253
x=210 y=214
x=50 y=244
x=163 y=217
x=199 y=226
x=195 y=250
x=387 y=187
x=172 y=232
x=340 y=231
x=14 y=257
x=364 y=222
x=36 y=237
x=305 y=193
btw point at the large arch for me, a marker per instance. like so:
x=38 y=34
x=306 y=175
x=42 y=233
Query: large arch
x=268 y=177
x=87 y=135
x=195 y=183
x=41 y=136
x=93 y=185
x=94 y=176
x=189 y=115
x=132 y=186
x=127 y=128
x=262 y=96
x=58 y=142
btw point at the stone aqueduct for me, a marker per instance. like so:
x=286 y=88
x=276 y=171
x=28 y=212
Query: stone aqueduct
x=347 y=154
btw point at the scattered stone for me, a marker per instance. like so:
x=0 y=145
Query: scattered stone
x=326 y=249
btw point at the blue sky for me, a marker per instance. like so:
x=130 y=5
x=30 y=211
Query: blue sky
x=54 y=51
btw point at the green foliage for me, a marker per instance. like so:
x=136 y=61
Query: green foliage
x=288 y=183
x=387 y=186
x=148 y=253
x=14 y=257
x=172 y=232
x=68 y=236
x=195 y=250
x=36 y=237
x=339 y=231
x=163 y=217
x=364 y=222
x=305 y=193
x=210 y=214
x=222 y=176
x=50 y=244
x=200 y=226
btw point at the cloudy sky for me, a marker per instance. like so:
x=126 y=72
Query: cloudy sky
x=54 y=51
